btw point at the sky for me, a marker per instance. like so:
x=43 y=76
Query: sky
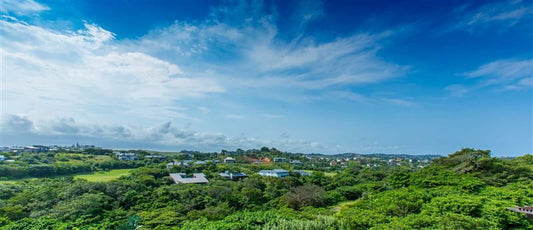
x=413 y=77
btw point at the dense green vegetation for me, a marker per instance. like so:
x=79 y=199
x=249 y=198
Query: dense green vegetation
x=29 y=165
x=468 y=189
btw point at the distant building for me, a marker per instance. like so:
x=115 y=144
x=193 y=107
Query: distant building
x=123 y=156
x=35 y=149
x=17 y=149
x=200 y=163
x=302 y=173
x=181 y=178
x=333 y=163
x=158 y=157
x=274 y=173
x=528 y=210
x=233 y=176
x=3 y=158
x=279 y=160
x=296 y=162
x=178 y=164
x=229 y=160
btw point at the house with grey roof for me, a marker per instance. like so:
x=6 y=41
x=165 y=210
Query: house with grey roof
x=233 y=175
x=129 y=156
x=177 y=164
x=279 y=173
x=182 y=178
x=279 y=160
x=302 y=173
x=296 y=162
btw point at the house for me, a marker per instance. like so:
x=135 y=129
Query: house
x=182 y=178
x=528 y=210
x=229 y=160
x=302 y=173
x=200 y=163
x=157 y=157
x=279 y=160
x=279 y=173
x=3 y=158
x=123 y=156
x=177 y=164
x=17 y=149
x=333 y=163
x=233 y=176
x=296 y=162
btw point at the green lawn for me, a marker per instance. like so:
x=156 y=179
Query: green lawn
x=104 y=176
x=330 y=174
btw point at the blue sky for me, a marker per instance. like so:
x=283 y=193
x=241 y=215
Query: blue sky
x=418 y=77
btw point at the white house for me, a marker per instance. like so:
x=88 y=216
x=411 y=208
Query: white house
x=3 y=158
x=279 y=173
x=127 y=156
x=229 y=160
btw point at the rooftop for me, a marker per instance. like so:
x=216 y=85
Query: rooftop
x=197 y=178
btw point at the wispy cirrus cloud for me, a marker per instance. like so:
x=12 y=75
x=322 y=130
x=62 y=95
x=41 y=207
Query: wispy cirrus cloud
x=85 y=82
x=504 y=74
x=21 y=7
x=247 y=51
x=503 y=14
x=512 y=73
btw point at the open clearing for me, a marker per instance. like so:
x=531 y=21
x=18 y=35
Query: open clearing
x=104 y=176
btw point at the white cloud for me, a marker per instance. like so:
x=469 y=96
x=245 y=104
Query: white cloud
x=405 y=102
x=165 y=135
x=504 y=72
x=249 y=53
x=85 y=74
x=504 y=13
x=21 y=7
x=85 y=82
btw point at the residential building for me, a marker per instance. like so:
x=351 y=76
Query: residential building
x=3 y=158
x=302 y=173
x=233 y=175
x=279 y=160
x=274 y=173
x=177 y=164
x=296 y=162
x=200 y=163
x=182 y=178
x=127 y=156
x=229 y=160
x=528 y=210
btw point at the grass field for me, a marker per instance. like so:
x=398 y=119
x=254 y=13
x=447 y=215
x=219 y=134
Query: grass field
x=104 y=176
x=330 y=174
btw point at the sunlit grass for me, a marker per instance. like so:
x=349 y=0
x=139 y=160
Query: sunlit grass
x=104 y=176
